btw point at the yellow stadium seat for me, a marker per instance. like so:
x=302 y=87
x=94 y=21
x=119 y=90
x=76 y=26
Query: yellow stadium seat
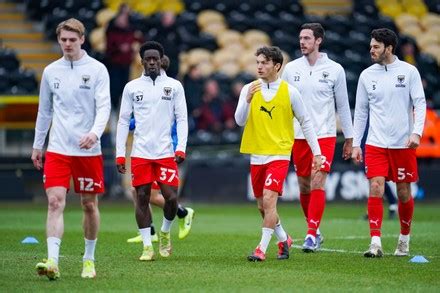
x=392 y=10
x=255 y=38
x=247 y=57
x=228 y=37
x=175 y=6
x=206 y=68
x=198 y=55
x=381 y=3
x=97 y=39
x=427 y=39
x=223 y=56
x=433 y=50
x=104 y=16
x=418 y=10
x=214 y=28
x=251 y=69
x=412 y=30
x=231 y=69
x=146 y=7
x=207 y=16
x=430 y=20
x=405 y=19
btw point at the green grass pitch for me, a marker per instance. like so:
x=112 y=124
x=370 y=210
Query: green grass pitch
x=213 y=256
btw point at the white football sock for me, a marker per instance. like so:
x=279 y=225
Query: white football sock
x=265 y=238
x=146 y=236
x=53 y=248
x=280 y=233
x=89 y=252
x=166 y=225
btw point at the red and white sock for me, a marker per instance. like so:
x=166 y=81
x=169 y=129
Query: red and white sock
x=375 y=215
x=316 y=210
x=406 y=211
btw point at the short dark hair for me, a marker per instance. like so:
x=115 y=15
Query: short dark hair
x=271 y=53
x=317 y=29
x=151 y=45
x=385 y=36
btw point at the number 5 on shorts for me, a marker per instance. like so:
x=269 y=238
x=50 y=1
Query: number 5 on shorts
x=163 y=174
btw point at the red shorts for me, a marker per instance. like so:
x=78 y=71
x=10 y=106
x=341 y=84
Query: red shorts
x=269 y=176
x=155 y=185
x=145 y=171
x=87 y=172
x=303 y=156
x=397 y=165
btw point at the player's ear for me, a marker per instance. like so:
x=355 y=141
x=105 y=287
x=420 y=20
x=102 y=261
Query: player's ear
x=319 y=41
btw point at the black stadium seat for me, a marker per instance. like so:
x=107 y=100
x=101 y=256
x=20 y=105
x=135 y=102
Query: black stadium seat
x=24 y=80
x=8 y=60
x=4 y=81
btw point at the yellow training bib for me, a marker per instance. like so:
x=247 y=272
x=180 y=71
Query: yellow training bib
x=269 y=128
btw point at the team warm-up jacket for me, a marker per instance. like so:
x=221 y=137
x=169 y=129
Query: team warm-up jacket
x=392 y=96
x=321 y=86
x=155 y=105
x=269 y=90
x=75 y=98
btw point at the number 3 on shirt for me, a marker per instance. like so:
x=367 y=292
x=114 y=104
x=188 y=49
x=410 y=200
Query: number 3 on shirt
x=163 y=174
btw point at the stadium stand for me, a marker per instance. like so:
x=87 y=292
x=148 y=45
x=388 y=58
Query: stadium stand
x=219 y=38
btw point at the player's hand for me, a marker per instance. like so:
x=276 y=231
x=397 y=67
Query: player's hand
x=317 y=163
x=357 y=155
x=121 y=168
x=88 y=141
x=413 y=141
x=37 y=159
x=347 y=149
x=179 y=157
x=255 y=87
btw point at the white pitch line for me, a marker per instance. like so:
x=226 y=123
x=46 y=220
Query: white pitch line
x=351 y=237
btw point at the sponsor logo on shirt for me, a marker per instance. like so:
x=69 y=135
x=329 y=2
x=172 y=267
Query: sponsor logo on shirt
x=400 y=81
x=325 y=75
x=263 y=109
x=374 y=82
x=85 y=82
x=167 y=93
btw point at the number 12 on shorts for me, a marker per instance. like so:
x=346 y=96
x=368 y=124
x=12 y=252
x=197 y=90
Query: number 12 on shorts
x=86 y=184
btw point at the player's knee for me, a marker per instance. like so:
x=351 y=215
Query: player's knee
x=89 y=206
x=171 y=197
x=55 y=203
x=376 y=188
x=304 y=186
x=404 y=193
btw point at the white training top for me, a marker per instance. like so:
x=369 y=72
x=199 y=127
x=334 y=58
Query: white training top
x=75 y=98
x=299 y=110
x=155 y=104
x=392 y=96
x=321 y=85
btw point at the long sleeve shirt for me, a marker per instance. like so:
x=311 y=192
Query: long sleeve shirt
x=155 y=105
x=269 y=90
x=321 y=86
x=74 y=100
x=392 y=97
